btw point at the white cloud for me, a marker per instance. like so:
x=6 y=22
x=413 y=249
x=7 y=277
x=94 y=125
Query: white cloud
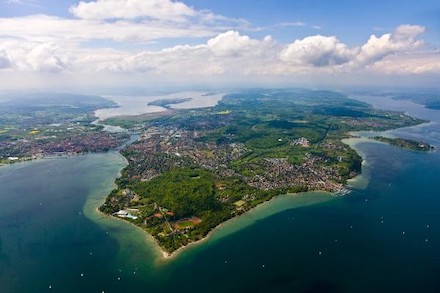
x=114 y=38
x=44 y=58
x=44 y=28
x=287 y=24
x=37 y=57
x=155 y=14
x=328 y=52
x=179 y=59
x=120 y=21
x=226 y=53
x=403 y=39
x=415 y=63
x=318 y=51
x=232 y=44
x=4 y=59
x=130 y=9
x=407 y=34
x=60 y=51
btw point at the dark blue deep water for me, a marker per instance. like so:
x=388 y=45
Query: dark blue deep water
x=383 y=237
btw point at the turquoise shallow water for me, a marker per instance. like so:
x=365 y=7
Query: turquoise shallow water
x=380 y=238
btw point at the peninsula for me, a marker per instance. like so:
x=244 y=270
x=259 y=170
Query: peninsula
x=192 y=170
x=405 y=143
x=167 y=103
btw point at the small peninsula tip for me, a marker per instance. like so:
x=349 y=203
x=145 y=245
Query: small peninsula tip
x=405 y=143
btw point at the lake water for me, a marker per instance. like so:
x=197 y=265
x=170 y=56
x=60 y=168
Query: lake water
x=135 y=105
x=383 y=237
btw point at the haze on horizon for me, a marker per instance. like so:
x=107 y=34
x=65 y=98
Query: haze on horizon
x=140 y=43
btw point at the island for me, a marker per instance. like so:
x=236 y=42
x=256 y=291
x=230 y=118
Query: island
x=405 y=143
x=192 y=170
x=34 y=126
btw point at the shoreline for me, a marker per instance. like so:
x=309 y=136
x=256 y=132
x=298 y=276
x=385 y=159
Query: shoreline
x=149 y=236
x=63 y=155
x=50 y=157
x=165 y=256
x=361 y=180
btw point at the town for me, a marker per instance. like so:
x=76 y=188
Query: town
x=161 y=149
x=57 y=141
x=53 y=125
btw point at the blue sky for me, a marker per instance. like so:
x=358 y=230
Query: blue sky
x=56 y=43
x=352 y=19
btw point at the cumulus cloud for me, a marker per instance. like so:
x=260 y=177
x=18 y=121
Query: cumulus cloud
x=403 y=39
x=415 y=63
x=36 y=57
x=116 y=38
x=328 y=51
x=120 y=21
x=44 y=58
x=171 y=60
x=130 y=9
x=227 y=52
x=407 y=34
x=156 y=14
x=232 y=44
x=317 y=51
